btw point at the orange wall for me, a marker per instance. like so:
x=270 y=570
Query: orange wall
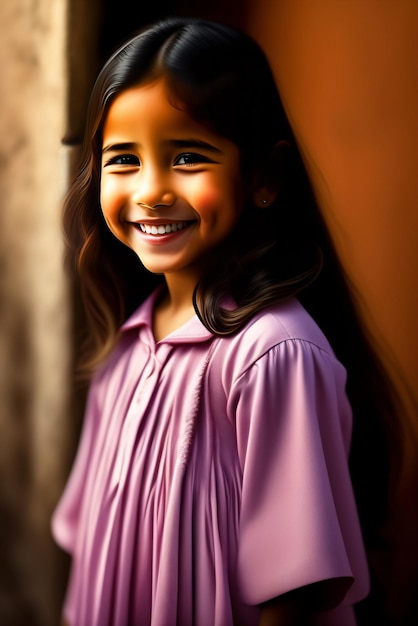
x=348 y=74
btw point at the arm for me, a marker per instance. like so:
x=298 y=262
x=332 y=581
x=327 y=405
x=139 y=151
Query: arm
x=298 y=520
x=279 y=613
x=299 y=607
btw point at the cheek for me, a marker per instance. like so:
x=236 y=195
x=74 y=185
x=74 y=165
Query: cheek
x=108 y=198
x=207 y=201
x=109 y=206
x=218 y=201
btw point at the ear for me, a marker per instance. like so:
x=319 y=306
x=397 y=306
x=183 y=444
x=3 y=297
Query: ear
x=266 y=184
x=264 y=196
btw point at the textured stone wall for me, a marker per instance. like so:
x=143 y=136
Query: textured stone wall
x=34 y=311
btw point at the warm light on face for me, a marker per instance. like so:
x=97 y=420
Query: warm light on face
x=171 y=189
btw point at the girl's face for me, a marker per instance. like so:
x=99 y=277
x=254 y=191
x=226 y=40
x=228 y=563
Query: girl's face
x=171 y=189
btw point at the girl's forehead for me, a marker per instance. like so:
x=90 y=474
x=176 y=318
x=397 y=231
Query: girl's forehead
x=151 y=107
x=152 y=97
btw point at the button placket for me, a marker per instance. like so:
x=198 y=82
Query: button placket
x=137 y=409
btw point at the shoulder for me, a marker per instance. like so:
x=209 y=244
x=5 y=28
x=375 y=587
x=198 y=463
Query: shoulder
x=283 y=322
x=281 y=334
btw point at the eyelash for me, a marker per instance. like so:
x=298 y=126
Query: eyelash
x=195 y=159
x=133 y=161
x=124 y=159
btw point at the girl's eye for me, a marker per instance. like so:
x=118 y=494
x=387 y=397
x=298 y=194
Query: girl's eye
x=189 y=159
x=124 y=159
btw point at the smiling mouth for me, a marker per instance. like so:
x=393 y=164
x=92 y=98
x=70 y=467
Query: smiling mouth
x=163 y=229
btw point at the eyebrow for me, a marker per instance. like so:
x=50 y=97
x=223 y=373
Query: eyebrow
x=176 y=143
x=118 y=147
x=194 y=143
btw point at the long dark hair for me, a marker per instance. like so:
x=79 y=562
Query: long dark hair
x=221 y=77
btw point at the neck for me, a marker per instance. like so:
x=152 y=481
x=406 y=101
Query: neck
x=180 y=288
x=175 y=307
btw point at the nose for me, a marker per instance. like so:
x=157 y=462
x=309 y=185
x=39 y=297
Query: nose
x=153 y=190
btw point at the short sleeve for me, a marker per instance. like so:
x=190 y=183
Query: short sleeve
x=298 y=522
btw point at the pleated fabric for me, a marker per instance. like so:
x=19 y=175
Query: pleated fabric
x=211 y=476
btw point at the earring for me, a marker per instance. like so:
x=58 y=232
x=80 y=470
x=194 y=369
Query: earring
x=262 y=198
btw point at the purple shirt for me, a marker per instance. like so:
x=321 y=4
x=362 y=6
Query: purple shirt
x=211 y=476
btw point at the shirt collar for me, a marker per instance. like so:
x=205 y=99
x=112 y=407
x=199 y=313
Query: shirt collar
x=191 y=331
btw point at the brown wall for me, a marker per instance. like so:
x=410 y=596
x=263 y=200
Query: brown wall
x=348 y=74
x=35 y=343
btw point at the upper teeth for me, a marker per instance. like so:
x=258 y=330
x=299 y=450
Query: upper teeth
x=162 y=229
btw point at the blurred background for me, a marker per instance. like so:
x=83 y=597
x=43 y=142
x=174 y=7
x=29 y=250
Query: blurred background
x=347 y=71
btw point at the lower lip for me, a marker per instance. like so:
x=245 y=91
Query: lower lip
x=159 y=240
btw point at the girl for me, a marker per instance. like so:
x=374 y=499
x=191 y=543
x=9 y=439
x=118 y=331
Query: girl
x=211 y=485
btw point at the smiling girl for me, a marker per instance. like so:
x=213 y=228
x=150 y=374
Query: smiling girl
x=171 y=190
x=212 y=485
